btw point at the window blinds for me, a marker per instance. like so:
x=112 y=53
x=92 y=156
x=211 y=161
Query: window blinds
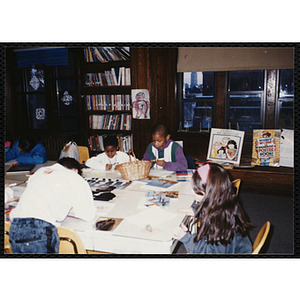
x=204 y=59
x=47 y=56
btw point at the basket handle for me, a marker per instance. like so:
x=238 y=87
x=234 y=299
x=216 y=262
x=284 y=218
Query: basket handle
x=131 y=151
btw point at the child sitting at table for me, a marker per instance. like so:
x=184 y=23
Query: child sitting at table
x=166 y=153
x=110 y=157
x=27 y=151
x=223 y=223
x=51 y=194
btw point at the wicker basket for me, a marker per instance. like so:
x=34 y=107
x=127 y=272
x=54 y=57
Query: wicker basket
x=134 y=170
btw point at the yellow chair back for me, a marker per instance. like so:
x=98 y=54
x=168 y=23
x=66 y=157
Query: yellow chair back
x=70 y=242
x=7 y=248
x=236 y=183
x=84 y=154
x=261 y=237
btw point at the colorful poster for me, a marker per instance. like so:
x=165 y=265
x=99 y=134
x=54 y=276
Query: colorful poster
x=225 y=145
x=140 y=104
x=266 y=147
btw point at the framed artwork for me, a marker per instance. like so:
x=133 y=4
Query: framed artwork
x=225 y=145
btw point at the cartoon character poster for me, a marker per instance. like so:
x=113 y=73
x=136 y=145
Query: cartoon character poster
x=266 y=147
x=225 y=145
x=140 y=104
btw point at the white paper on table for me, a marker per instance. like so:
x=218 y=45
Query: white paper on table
x=160 y=173
x=78 y=224
x=153 y=216
x=152 y=223
x=103 y=207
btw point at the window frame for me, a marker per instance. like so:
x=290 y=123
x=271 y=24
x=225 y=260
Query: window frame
x=254 y=92
x=181 y=101
x=282 y=99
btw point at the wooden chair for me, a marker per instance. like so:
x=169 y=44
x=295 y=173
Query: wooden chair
x=7 y=248
x=236 y=183
x=70 y=242
x=84 y=154
x=261 y=237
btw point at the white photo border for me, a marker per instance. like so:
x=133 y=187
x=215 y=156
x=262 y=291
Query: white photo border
x=218 y=134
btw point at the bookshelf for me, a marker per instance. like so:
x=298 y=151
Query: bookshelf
x=106 y=93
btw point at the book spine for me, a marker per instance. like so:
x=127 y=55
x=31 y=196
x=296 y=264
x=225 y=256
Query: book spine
x=127 y=76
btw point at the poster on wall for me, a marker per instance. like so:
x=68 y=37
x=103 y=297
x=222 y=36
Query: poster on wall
x=140 y=104
x=266 y=147
x=287 y=148
x=225 y=146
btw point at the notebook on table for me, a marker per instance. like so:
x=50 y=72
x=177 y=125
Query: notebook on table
x=23 y=168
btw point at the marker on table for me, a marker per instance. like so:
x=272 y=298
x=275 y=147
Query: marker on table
x=15 y=184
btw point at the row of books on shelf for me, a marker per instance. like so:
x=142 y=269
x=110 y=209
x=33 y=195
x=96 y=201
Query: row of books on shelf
x=106 y=54
x=110 y=122
x=108 y=102
x=114 y=77
x=95 y=142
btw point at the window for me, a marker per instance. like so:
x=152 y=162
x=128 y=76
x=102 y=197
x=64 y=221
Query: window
x=197 y=105
x=285 y=101
x=50 y=93
x=36 y=97
x=245 y=100
x=241 y=100
x=67 y=120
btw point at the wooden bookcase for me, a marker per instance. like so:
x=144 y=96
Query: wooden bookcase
x=106 y=97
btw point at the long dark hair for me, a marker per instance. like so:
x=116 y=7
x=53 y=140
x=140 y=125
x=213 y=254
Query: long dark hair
x=220 y=211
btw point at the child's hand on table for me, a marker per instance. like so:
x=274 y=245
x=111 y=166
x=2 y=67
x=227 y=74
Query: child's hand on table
x=14 y=163
x=108 y=167
x=180 y=231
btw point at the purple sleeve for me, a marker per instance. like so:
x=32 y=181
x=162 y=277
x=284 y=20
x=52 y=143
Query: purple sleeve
x=146 y=156
x=180 y=164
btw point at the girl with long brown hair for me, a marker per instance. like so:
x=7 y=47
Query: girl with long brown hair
x=223 y=223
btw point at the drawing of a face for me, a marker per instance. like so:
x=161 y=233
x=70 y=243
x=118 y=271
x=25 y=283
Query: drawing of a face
x=217 y=145
x=225 y=140
x=231 y=153
x=231 y=149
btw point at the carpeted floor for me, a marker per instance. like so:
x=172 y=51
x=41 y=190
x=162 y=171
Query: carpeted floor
x=279 y=211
